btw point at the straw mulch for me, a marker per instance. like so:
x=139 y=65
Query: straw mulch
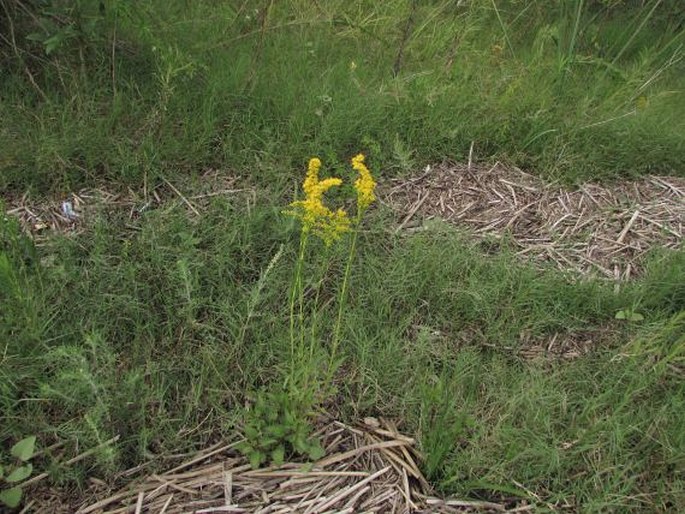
x=43 y=217
x=367 y=468
x=592 y=229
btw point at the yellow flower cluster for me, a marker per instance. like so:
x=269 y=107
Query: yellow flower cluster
x=365 y=185
x=315 y=216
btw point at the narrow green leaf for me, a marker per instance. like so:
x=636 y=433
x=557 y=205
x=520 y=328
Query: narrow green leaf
x=24 y=449
x=11 y=497
x=2 y=471
x=36 y=36
x=19 y=474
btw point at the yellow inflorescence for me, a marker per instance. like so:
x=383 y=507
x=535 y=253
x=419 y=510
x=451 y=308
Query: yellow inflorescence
x=316 y=217
x=365 y=185
x=312 y=178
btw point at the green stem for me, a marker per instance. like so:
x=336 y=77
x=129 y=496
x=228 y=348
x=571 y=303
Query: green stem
x=300 y=316
x=297 y=287
x=314 y=313
x=343 y=296
x=315 y=306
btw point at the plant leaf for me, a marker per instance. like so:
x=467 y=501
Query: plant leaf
x=11 y=497
x=636 y=316
x=307 y=467
x=316 y=451
x=299 y=443
x=36 y=36
x=19 y=474
x=256 y=458
x=278 y=455
x=2 y=471
x=621 y=315
x=251 y=432
x=276 y=430
x=23 y=450
x=244 y=447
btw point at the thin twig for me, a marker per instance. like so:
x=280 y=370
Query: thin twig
x=412 y=212
x=185 y=200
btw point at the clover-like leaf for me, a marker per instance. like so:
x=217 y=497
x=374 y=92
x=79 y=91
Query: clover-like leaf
x=24 y=449
x=11 y=497
x=19 y=474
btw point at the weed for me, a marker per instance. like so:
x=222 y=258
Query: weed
x=280 y=421
x=13 y=476
x=277 y=426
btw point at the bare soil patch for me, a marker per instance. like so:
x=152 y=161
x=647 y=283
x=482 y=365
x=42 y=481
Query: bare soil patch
x=597 y=229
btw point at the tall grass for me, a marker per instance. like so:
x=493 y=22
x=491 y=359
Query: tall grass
x=572 y=90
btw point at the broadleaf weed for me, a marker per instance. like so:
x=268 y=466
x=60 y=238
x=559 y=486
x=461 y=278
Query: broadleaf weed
x=13 y=475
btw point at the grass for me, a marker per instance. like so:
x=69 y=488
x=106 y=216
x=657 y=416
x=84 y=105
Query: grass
x=137 y=333
x=142 y=89
x=160 y=329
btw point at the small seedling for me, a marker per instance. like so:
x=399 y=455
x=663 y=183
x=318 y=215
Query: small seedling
x=14 y=475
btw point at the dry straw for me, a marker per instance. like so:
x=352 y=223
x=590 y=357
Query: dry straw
x=591 y=229
x=367 y=468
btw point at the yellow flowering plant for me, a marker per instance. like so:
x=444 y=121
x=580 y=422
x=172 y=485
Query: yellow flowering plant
x=330 y=226
x=279 y=419
x=365 y=184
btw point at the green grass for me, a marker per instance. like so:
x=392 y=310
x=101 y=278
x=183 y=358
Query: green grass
x=159 y=329
x=576 y=90
x=138 y=333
